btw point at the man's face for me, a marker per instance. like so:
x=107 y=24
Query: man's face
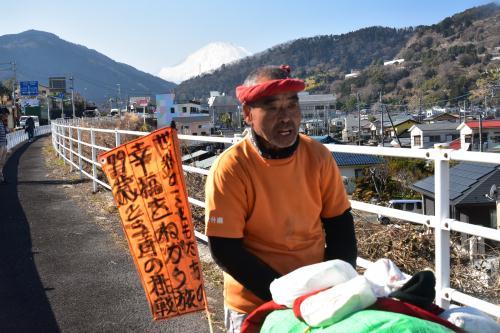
x=276 y=119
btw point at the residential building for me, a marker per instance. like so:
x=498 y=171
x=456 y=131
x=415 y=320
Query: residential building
x=469 y=182
x=189 y=109
x=317 y=110
x=438 y=117
x=426 y=135
x=469 y=134
x=399 y=125
x=351 y=128
x=435 y=110
x=192 y=118
x=194 y=125
x=226 y=110
x=351 y=165
x=352 y=75
x=394 y=62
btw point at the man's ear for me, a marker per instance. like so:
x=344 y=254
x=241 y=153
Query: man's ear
x=247 y=114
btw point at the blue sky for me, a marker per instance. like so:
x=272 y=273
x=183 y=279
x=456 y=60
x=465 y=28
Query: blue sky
x=160 y=33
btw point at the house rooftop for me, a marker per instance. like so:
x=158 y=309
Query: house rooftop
x=348 y=159
x=463 y=177
x=225 y=100
x=495 y=123
x=316 y=98
x=441 y=115
x=440 y=126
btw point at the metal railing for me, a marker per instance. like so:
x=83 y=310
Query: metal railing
x=17 y=137
x=65 y=142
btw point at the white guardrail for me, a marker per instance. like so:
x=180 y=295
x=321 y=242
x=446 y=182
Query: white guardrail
x=17 y=137
x=67 y=136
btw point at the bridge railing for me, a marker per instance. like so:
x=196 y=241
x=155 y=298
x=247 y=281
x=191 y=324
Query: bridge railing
x=67 y=141
x=17 y=137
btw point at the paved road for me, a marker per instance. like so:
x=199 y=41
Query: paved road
x=58 y=271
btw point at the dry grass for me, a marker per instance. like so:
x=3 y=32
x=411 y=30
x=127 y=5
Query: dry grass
x=411 y=248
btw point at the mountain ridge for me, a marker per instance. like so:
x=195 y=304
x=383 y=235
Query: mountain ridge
x=40 y=55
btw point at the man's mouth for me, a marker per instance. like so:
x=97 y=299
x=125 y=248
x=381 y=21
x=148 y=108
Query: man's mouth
x=285 y=132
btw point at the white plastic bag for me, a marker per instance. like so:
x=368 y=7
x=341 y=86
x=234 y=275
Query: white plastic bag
x=470 y=319
x=385 y=277
x=310 y=278
x=334 y=304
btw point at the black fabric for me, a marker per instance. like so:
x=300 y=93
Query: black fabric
x=270 y=154
x=246 y=268
x=341 y=238
x=419 y=290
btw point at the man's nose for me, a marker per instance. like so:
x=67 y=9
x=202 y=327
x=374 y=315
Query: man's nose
x=284 y=113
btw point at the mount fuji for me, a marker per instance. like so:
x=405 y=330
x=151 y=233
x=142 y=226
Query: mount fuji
x=206 y=59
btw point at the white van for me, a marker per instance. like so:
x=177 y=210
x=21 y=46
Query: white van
x=407 y=205
x=22 y=121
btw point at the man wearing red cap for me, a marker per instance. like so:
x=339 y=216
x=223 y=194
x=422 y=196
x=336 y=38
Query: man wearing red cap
x=275 y=201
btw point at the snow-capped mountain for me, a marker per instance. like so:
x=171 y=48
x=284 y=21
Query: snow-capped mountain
x=206 y=59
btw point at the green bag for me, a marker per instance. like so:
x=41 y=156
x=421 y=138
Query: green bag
x=365 y=321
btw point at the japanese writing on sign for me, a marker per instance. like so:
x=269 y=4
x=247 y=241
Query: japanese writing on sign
x=149 y=189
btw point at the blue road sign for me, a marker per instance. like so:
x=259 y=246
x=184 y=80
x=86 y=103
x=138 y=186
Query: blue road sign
x=60 y=95
x=29 y=88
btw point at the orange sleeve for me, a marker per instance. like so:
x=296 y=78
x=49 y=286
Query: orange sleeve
x=333 y=193
x=225 y=199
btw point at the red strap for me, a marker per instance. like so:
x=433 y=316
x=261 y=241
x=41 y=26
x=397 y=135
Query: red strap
x=254 y=321
x=392 y=305
x=249 y=94
x=298 y=301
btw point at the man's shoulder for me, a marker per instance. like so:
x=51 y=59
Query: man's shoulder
x=313 y=146
x=231 y=158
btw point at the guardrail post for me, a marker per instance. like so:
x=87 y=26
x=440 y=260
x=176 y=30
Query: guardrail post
x=64 y=144
x=54 y=136
x=442 y=232
x=79 y=137
x=117 y=138
x=59 y=146
x=94 y=160
x=70 y=148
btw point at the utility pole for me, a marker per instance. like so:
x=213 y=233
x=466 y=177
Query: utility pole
x=327 y=110
x=62 y=107
x=48 y=109
x=420 y=108
x=14 y=84
x=459 y=113
x=359 y=119
x=381 y=119
x=72 y=96
x=480 y=132
x=119 y=98
x=464 y=109
x=394 y=129
x=485 y=104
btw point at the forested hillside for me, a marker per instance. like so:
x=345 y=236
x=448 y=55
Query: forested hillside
x=454 y=60
x=307 y=56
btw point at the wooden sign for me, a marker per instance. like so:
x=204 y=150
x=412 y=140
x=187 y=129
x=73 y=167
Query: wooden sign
x=149 y=188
